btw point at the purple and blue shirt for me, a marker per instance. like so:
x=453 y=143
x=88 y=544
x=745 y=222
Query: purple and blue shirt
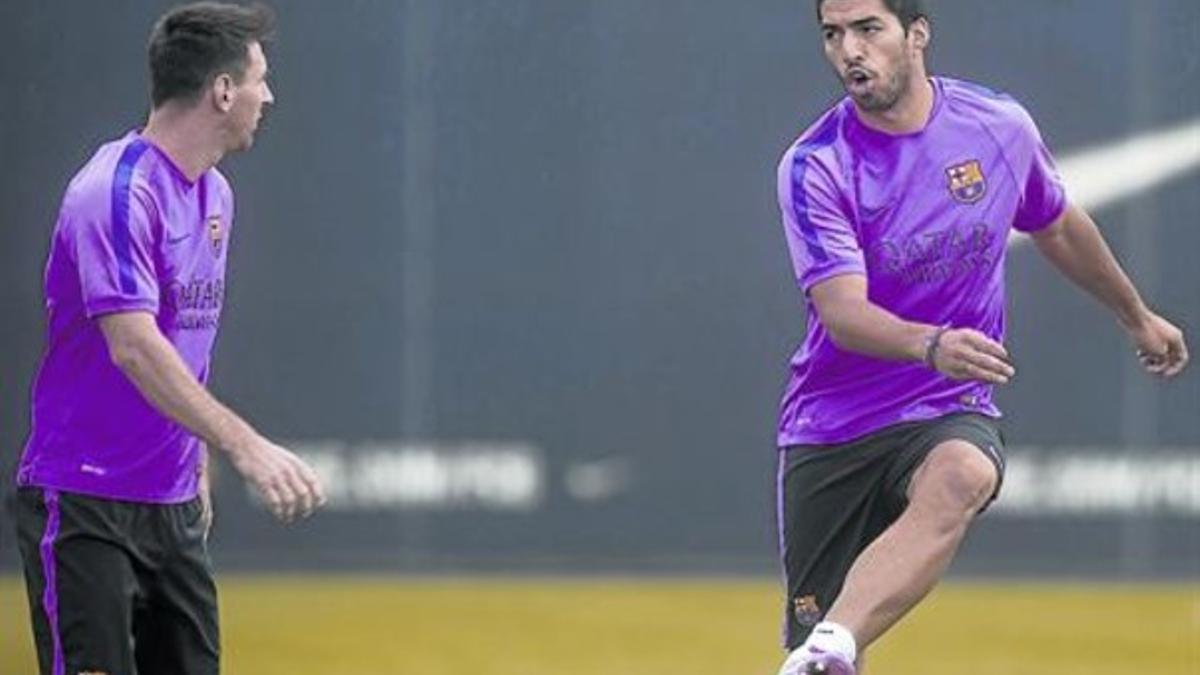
x=925 y=217
x=134 y=234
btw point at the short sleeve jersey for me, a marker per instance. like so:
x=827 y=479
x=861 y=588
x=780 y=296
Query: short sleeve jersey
x=925 y=218
x=134 y=234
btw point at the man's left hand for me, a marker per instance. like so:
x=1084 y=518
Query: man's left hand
x=1160 y=345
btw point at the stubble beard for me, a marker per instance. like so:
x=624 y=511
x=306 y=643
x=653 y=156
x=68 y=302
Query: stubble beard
x=886 y=97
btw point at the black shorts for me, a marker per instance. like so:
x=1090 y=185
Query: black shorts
x=117 y=587
x=833 y=501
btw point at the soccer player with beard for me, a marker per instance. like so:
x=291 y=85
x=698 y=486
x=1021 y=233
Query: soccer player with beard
x=112 y=508
x=897 y=205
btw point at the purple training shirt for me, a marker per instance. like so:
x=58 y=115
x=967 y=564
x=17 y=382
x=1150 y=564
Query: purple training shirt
x=133 y=235
x=925 y=217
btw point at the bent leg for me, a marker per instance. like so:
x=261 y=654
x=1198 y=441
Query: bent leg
x=899 y=568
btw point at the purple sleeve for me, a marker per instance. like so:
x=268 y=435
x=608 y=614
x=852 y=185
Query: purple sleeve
x=114 y=255
x=819 y=233
x=1043 y=197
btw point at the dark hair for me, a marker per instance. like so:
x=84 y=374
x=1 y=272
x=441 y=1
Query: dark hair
x=192 y=44
x=907 y=11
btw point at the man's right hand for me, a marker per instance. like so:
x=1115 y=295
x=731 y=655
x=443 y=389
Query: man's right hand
x=967 y=354
x=287 y=485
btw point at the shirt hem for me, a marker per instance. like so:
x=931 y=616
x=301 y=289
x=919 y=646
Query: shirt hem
x=788 y=439
x=104 y=307
x=111 y=495
x=830 y=272
x=1058 y=213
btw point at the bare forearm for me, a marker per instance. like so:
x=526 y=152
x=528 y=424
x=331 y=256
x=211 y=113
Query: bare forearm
x=1076 y=247
x=159 y=373
x=288 y=486
x=856 y=324
x=866 y=328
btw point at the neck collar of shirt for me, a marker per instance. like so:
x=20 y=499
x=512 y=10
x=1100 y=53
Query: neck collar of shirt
x=875 y=134
x=182 y=177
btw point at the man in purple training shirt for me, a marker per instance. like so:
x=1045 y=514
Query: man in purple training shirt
x=113 y=510
x=897 y=204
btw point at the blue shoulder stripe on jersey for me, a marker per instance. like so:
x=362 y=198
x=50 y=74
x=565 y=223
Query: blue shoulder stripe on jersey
x=202 y=190
x=824 y=137
x=122 y=243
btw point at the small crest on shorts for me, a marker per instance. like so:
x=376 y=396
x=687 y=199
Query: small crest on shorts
x=215 y=236
x=807 y=611
x=966 y=181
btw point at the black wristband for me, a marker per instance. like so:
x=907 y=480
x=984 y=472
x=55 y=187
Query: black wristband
x=932 y=343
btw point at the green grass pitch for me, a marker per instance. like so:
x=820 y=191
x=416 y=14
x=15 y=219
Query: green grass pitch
x=442 y=626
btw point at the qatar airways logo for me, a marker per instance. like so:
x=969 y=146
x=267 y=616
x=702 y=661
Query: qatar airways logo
x=195 y=304
x=933 y=257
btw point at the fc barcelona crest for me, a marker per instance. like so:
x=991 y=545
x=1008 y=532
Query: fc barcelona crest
x=806 y=610
x=966 y=182
x=215 y=236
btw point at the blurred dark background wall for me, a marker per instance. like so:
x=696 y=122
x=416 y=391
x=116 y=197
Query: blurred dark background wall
x=548 y=229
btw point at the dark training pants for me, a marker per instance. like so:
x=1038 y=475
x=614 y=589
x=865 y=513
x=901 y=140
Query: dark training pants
x=118 y=588
x=834 y=500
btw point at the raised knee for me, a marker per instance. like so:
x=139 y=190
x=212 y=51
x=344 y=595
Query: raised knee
x=963 y=477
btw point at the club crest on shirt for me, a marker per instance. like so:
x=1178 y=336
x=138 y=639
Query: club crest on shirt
x=215 y=236
x=807 y=611
x=966 y=181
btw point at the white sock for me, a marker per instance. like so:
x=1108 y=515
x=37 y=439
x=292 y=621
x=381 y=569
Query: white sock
x=833 y=638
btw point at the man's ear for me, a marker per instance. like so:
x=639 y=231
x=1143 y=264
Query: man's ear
x=919 y=29
x=222 y=92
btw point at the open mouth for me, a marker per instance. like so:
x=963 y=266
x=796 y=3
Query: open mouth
x=858 y=77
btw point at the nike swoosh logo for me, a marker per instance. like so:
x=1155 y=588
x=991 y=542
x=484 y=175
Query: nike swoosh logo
x=179 y=238
x=1108 y=174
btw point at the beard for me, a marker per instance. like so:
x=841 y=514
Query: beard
x=886 y=92
x=242 y=135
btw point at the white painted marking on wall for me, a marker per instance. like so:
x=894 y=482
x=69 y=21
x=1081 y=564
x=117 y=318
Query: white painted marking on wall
x=1089 y=481
x=403 y=475
x=1110 y=173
